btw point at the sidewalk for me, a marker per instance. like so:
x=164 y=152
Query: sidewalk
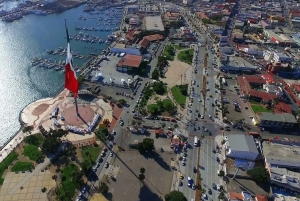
x=176 y=174
x=37 y=169
x=222 y=157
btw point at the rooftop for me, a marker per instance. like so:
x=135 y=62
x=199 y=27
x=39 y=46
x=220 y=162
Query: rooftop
x=282 y=108
x=284 y=117
x=281 y=153
x=242 y=143
x=130 y=60
x=280 y=197
x=285 y=177
x=154 y=23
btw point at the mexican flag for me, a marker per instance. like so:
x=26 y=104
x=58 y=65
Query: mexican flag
x=71 y=82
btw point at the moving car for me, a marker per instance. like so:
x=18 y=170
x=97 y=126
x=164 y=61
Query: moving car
x=190 y=182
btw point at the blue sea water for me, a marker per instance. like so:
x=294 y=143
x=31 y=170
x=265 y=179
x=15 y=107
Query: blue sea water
x=28 y=38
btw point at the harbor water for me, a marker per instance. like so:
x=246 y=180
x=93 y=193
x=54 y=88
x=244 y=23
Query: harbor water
x=30 y=37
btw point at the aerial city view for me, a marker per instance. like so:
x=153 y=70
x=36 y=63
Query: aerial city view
x=149 y=100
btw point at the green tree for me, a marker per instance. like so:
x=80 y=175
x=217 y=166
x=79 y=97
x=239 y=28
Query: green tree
x=158 y=87
x=259 y=174
x=153 y=109
x=168 y=105
x=147 y=145
x=155 y=74
x=175 y=196
x=163 y=125
x=103 y=188
x=126 y=20
x=133 y=122
x=122 y=102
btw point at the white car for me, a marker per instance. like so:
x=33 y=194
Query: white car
x=201 y=117
x=106 y=164
x=204 y=196
x=209 y=116
x=225 y=138
x=218 y=187
x=200 y=100
x=111 y=154
x=184 y=158
x=205 y=129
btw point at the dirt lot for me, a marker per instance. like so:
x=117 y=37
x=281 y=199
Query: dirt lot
x=158 y=171
x=158 y=176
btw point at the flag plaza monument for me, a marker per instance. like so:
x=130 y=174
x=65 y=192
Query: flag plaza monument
x=64 y=112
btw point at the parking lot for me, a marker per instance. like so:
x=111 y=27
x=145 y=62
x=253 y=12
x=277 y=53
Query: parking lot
x=107 y=72
x=109 y=90
x=157 y=165
x=232 y=93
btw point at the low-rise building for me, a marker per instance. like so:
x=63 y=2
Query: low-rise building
x=172 y=16
x=242 y=147
x=280 y=197
x=132 y=8
x=284 y=178
x=129 y=63
x=282 y=154
x=283 y=120
x=281 y=58
x=273 y=89
x=153 y=24
x=245 y=196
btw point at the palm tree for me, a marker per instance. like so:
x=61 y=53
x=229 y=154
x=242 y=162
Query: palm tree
x=142 y=170
x=141 y=177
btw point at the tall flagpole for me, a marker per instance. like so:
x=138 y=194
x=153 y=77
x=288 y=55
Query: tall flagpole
x=68 y=39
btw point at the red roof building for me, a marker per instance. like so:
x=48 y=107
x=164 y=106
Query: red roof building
x=245 y=83
x=129 y=62
x=292 y=91
x=282 y=108
x=154 y=37
x=144 y=43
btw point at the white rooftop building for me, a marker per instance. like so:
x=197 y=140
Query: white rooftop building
x=273 y=89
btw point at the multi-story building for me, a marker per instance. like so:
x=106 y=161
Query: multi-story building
x=283 y=120
x=284 y=178
x=273 y=89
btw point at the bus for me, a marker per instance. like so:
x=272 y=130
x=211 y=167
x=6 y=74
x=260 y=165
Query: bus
x=196 y=141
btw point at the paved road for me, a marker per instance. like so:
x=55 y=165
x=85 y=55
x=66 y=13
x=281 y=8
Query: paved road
x=209 y=167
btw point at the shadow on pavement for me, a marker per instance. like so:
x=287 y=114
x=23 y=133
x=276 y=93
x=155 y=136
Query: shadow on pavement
x=159 y=160
x=147 y=195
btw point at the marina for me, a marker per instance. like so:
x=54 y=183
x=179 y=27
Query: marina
x=38 y=63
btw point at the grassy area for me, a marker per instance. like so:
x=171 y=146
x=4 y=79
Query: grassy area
x=33 y=152
x=20 y=166
x=68 y=186
x=259 y=108
x=169 y=52
x=6 y=162
x=90 y=155
x=178 y=47
x=151 y=106
x=167 y=101
x=186 y=56
x=180 y=99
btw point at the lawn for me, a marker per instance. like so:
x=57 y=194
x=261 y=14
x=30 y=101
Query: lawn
x=68 y=186
x=169 y=52
x=20 y=166
x=7 y=161
x=186 y=56
x=151 y=106
x=33 y=152
x=178 y=47
x=259 y=108
x=90 y=155
x=180 y=99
